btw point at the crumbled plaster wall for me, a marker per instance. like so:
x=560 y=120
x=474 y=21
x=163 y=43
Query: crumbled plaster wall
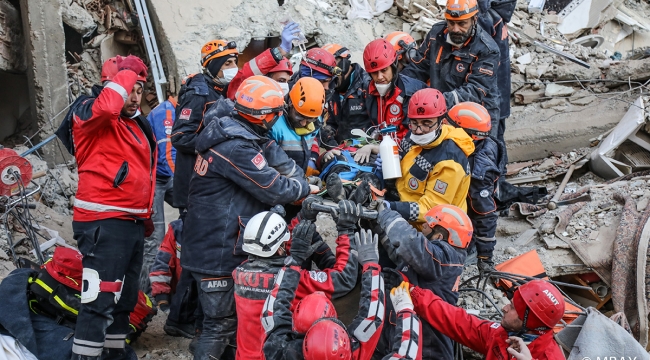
x=184 y=26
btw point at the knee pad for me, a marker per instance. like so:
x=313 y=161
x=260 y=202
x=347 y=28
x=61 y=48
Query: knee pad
x=93 y=285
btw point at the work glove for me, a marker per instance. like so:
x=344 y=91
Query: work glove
x=401 y=297
x=348 y=215
x=330 y=155
x=162 y=300
x=301 y=246
x=132 y=63
x=378 y=162
x=279 y=209
x=366 y=247
x=148 y=227
x=290 y=33
x=518 y=348
x=306 y=212
x=362 y=155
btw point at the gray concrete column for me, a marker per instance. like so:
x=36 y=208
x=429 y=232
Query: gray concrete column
x=46 y=70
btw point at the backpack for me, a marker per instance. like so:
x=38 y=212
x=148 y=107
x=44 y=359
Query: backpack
x=56 y=293
x=64 y=132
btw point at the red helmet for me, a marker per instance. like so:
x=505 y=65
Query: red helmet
x=283 y=65
x=321 y=61
x=311 y=308
x=454 y=220
x=539 y=304
x=326 y=340
x=109 y=69
x=473 y=118
x=378 y=55
x=427 y=103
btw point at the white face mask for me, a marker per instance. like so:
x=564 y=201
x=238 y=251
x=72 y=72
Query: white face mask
x=382 y=89
x=285 y=88
x=228 y=75
x=425 y=139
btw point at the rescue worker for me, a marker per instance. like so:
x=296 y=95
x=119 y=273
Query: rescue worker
x=536 y=308
x=198 y=92
x=405 y=46
x=266 y=237
x=232 y=181
x=460 y=59
x=493 y=18
x=295 y=130
x=388 y=94
x=174 y=290
x=346 y=111
x=271 y=62
x=435 y=168
x=485 y=163
x=432 y=258
x=116 y=156
x=320 y=65
x=313 y=332
x=161 y=120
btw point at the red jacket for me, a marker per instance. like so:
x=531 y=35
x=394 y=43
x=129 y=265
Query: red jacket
x=166 y=269
x=485 y=337
x=259 y=65
x=115 y=156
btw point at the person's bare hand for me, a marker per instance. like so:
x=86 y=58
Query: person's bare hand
x=518 y=348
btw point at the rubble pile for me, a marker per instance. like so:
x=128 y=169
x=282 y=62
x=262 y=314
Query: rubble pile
x=105 y=28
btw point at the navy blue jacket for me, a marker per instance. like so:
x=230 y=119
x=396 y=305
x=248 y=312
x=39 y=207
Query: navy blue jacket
x=432 y=265
x=237 y=174
x=466 y=74
x=485 y=162
x=196 y=96
x=347 y=111
x=493 y=17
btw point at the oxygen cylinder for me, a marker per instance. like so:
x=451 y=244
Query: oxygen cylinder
x=389 y=153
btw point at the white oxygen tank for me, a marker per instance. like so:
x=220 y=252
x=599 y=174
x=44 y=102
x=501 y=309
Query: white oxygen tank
x=389 y=152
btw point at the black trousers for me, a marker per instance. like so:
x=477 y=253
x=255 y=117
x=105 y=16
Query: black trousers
x=112 y=251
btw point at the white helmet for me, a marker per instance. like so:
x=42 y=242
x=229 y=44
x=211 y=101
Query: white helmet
x=264 y=234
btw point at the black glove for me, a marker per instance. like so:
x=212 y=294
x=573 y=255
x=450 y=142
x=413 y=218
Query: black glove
x=301 y=246
x=279 y=209
x=349 y=213
x=306 y=213
x=163 y=302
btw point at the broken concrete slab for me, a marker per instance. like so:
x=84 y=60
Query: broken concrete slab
x=635 y=70
x=525 y=59
x=553 y=103
x=77 y=17
x=528 y=96
x=553 y=90
x=12 y=50
x=583 y=100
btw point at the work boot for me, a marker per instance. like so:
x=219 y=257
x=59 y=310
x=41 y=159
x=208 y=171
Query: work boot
x=335 y=187
x=361 y=194
x=195 y=340
x=175 y=329
x=485 y=264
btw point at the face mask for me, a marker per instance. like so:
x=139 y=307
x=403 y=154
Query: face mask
x=228 y=75
x=425 y=139
x=382 y=89
x=285 y=88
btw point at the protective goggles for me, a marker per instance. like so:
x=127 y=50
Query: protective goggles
x=259 y=112
x=229 y=46
x=342 y=52
x=409 y=50
x=334 y=70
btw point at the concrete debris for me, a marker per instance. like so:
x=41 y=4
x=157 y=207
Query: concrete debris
x=12 y=52
x=553 y=90
x=78 y=18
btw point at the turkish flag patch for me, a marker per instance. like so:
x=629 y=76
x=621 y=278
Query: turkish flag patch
x=440 y=187
x=185 y=114
x=259 y=161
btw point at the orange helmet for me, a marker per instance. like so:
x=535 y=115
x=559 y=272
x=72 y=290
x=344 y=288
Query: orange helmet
x=217 y=48
x=473 y=118
x=461 y=9
x=259 y=99
x=402 y=42
x=308 y=97
x=109 y=69
x=311 y=308
x=454 y=220
x=337 y=50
